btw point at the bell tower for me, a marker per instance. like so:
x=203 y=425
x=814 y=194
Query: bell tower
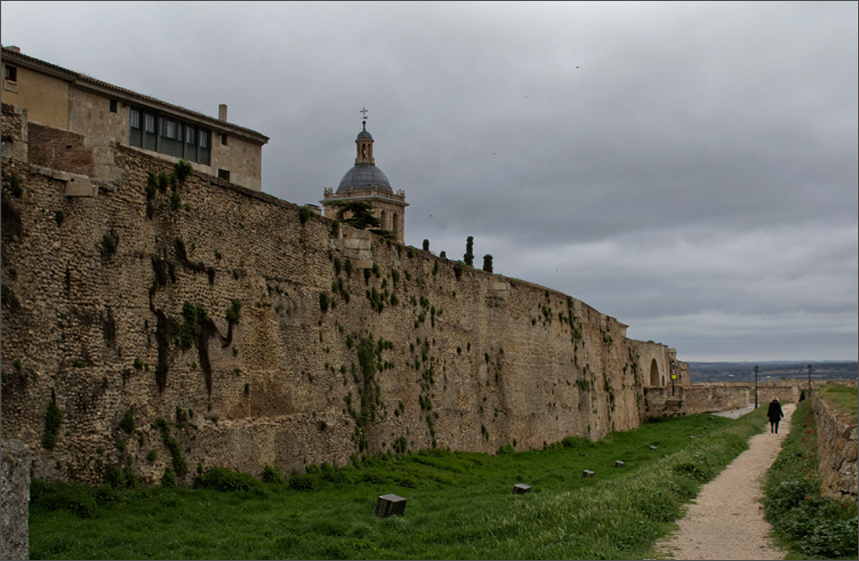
x=364 y=143
x=366 y=183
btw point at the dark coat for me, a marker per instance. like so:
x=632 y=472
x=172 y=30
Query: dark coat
x=774 y=412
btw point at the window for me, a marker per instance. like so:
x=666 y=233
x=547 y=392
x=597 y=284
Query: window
x=224 y=174
x=112 y=105
x=11 y=73
x=224 y=139
x=168 y=135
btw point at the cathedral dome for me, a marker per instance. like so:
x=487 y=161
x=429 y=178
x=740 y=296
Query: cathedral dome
x=364 y=134
x=363 y=176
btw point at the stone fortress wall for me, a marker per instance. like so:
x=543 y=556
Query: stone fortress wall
x=837 y=447
x=266 y=335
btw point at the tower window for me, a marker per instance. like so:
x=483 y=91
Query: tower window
x=11 y=73
x=112 y=105
x=224 y=139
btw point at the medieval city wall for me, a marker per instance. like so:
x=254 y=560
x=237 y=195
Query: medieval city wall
x=693 y=399
x=267 y=335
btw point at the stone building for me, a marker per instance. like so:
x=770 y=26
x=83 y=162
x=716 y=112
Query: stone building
x=71 y=101
x=365 y=182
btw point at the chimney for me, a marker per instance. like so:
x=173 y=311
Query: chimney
x=222 y=112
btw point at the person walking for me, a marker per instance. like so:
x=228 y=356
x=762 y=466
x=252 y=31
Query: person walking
x=775 y=414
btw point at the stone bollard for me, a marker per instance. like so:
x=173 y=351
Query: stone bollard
x=587 y=473
x=618 y=464
x=521 y=489
x=14 y=500
x=390 y=505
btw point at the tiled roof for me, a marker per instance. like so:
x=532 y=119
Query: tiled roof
x=77 y=76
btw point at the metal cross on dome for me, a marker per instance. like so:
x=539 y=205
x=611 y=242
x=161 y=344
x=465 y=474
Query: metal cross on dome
x=363 y=111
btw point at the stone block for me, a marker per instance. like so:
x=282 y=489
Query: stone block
x=14 y=532
x=619 y=464
x=81 y=187
x=521 y=489
x=390 y=505
x=587 y=473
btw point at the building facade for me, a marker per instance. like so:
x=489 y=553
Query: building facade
x=73 y=102
x=366 y=183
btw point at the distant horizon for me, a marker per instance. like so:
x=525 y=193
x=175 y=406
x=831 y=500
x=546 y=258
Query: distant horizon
x=771 y=361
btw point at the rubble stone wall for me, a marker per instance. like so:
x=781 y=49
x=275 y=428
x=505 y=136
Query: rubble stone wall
x=837 y=450
x=261 y=337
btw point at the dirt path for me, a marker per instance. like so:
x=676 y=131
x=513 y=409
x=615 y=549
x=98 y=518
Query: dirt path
x=726 y=521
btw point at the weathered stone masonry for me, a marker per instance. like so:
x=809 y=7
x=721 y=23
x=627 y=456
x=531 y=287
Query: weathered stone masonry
x=119 y=302
x=837 y=446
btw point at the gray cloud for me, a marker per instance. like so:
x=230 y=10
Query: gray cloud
x=689 y=168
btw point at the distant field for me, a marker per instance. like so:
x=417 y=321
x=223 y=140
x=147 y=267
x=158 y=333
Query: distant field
x=770 y=371
x=460 y=505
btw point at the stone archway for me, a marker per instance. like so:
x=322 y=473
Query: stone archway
x=654 y=373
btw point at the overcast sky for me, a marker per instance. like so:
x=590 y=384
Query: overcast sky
x=688 y=168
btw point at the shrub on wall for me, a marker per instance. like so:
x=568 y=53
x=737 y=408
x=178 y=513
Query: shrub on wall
x=53 y=420
x=303 y=215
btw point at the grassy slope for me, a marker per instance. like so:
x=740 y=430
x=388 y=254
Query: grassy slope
x=845 y=399
x=460 y=505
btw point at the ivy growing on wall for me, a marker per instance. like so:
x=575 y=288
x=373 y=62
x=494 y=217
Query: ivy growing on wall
x=53 y=420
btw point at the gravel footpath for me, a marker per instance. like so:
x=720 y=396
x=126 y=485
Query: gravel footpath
x=726 y=521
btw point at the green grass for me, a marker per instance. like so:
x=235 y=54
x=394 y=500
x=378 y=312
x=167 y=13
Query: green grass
x=845 y=399
x=460 y=505
x=805 y=523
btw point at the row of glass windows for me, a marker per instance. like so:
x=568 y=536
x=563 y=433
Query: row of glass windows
x=166 y=135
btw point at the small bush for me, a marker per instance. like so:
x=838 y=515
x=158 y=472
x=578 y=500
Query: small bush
x=59 y=216
x=303 y=482
x=126 y=424
x=227 y=480
x=58 y=495
x=169 y=479
x=234 y=312
x=324 y=301
x=183 y=170
x=13 y=182
x=272 y=474
x=107 y=245
x=304 y=215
